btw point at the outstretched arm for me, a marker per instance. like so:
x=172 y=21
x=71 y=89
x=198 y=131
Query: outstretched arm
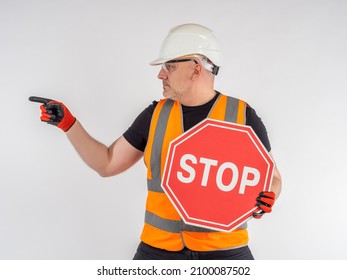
x=107 y=161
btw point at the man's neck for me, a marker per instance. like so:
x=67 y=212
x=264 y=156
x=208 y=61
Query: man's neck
x=197 y=98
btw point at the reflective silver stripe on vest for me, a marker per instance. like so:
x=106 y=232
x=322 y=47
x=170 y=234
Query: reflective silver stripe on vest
x=231 y=110
x=191 y=228
x=159 y=134
x=161 y=223
x=200 y=229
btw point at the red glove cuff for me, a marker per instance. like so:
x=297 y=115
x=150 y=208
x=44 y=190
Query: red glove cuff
x=67 y=121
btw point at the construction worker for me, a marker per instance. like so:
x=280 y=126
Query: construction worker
x=190 y=58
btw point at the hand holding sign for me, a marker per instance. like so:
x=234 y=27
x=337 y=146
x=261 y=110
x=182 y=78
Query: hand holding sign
x=54 y=113
x=265 y=201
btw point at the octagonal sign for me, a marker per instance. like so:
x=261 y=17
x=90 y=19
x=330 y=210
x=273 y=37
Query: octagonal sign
x=214 y=173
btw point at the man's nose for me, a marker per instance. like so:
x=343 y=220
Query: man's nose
x=162 y=74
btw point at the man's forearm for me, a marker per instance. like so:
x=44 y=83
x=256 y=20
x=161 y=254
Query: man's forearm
x=93 y=153
x=276 y=183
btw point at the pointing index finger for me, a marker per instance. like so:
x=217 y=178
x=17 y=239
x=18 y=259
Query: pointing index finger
x=39 y=99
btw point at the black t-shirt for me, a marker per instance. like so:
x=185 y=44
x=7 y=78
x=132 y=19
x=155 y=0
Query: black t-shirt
x=137 y=133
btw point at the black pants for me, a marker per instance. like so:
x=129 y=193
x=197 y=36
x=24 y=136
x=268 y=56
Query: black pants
x=146 y=252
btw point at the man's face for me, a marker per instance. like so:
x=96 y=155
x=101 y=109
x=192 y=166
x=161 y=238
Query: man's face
x=176 y=77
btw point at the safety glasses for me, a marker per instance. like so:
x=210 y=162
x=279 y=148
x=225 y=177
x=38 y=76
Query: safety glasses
x=171 y=65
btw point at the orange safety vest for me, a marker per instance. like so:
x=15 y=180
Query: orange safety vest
x=163 y=227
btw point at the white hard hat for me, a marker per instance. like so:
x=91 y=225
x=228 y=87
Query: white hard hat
x=187 y=39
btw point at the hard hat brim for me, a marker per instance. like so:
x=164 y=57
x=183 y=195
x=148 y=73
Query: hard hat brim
x=157 y=62
x=161 y=60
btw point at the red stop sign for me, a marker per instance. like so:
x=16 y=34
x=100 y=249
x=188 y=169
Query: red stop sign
x=214 y=172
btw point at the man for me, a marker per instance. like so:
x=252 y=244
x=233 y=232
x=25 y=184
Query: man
x=190 y=58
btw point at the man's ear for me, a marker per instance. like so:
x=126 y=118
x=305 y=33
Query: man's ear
x=197 y=70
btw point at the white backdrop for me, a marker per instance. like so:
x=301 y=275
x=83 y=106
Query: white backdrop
x=286 y=58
